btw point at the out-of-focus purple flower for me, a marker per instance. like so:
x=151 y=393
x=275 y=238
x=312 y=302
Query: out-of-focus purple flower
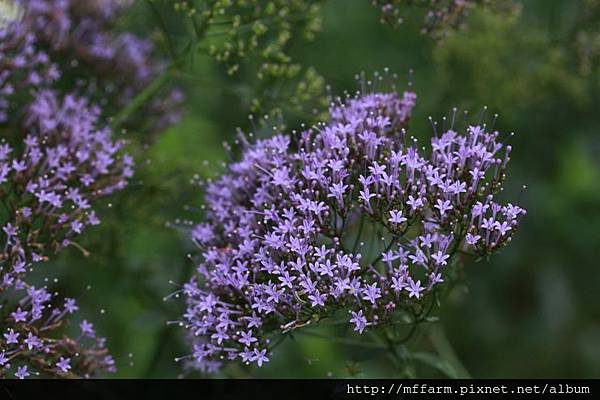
x=64 y=365
x=440 y=17
x=82 y=40
x=22 y=372
x=57 y=159
x=68 y=161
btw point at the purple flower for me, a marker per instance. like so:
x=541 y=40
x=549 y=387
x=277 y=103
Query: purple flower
x=359 y=321
x=396 y=217
x=472 y=239
x=260 y=357
x=280 y=250
x=10 y=230
x=19 y=315
x=440 y=258
x=371 y=293
x=434 y=279
x=32 y=341
x=398 y=283
x=317 y=299
x=287 y=280
x=488 y=224
x=86 y=34
x=64 y=365
x=22 y=372
x=503 y=227
x=11 y=337
x=58 y=160
x=70 y=305
x=414 y=288
x=247 y=339
x=443 y=206
x=87 y=329
x=414 y=202
x=220 y=335
x=440 y=18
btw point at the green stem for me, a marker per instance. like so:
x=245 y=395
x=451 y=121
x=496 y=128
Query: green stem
x=141 y=99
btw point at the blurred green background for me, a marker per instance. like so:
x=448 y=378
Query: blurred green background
x=532 y=311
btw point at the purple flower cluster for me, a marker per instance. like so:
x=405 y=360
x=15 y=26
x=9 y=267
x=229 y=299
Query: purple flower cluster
x=23 y=68
x=79 y=29
x=283 y=244
x=47 y=192
x=26 y=349
x=440 y=16
x=80 y=35
x=50 y=181
x=57 y=158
